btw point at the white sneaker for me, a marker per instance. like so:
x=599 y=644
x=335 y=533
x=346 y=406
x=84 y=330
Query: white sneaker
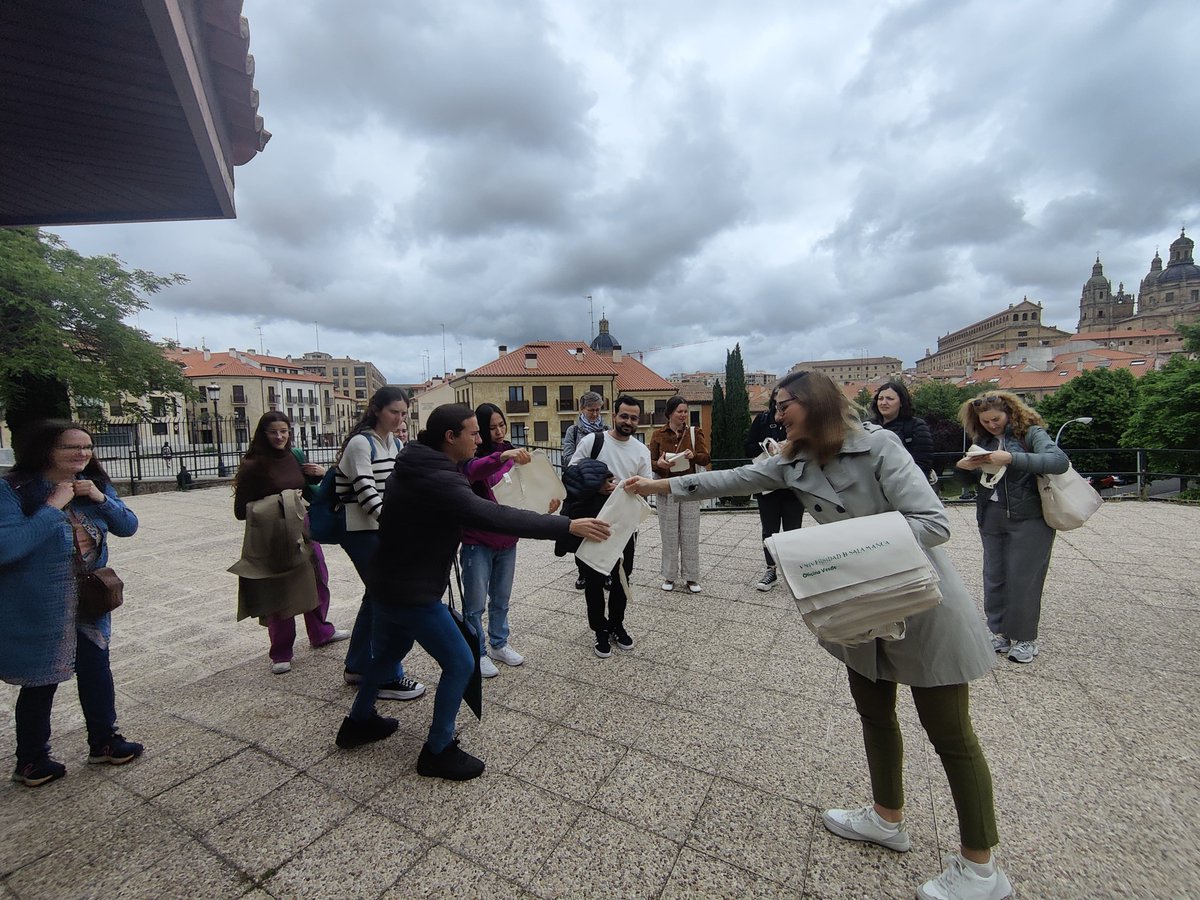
x=866 y=825
x=280 y=668
x=1023 y=651
x=506 y=655
x=1000 y=643
x=961 y=882
x=487 y=668
x=668 y=585
x=694 y=587
x=339 y=634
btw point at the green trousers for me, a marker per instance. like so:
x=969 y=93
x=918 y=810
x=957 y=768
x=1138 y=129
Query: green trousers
x=946 y=717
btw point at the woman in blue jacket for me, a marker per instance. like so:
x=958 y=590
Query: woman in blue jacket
x=57 y=507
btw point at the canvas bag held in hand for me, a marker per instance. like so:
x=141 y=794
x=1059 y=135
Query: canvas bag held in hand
x=531 y=486
x=1067 y=500
x=624 y=512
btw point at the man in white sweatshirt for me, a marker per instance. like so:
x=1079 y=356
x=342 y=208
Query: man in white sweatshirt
x=625 y=456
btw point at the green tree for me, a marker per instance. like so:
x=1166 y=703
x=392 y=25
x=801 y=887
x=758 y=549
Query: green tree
x=1109 y=397
x=937 y=402
x=862 y=400
x=1168 y=416
x=64 y=331
x=731 y=409
x=1191 y=337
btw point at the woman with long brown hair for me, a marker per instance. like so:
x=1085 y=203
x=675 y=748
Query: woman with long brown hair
x=272 y=465
x=57 y=508
x=1016 y=539
x=840 y=469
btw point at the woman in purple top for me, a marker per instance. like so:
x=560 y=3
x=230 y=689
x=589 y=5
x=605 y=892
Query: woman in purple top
x=489 y=560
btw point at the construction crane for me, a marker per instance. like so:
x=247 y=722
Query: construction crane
x=641 y=353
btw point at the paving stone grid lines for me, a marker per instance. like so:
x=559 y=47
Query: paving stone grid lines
x=697 y=766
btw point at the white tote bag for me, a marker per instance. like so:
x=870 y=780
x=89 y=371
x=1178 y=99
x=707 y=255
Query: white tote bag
x=1067 y=500
x=531 y=486
x=624 y=512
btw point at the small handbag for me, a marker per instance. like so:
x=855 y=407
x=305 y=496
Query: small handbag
x=1067 y=500
x=100 y=591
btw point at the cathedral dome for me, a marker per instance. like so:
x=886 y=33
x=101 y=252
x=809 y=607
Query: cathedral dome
x=1181 y=266
x=604 y=342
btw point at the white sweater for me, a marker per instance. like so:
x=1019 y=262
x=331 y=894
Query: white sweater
x=361 y=481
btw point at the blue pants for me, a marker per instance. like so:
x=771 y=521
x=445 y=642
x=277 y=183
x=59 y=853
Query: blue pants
x=487 y=580
x=360 y=546
x=431 y=626
x=97 y=697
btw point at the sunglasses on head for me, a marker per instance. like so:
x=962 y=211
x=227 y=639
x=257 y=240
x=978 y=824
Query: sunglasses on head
x=989 y=400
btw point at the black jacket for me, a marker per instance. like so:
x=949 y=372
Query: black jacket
x=916 y=437
x=764 y=426
x=427 y=503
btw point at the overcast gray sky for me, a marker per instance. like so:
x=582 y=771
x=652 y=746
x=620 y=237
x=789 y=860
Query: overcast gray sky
x=814 y=180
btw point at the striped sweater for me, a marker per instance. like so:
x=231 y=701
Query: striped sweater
x=361 y=480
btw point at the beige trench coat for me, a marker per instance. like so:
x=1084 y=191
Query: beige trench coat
x=873 y=473
x=276 y=569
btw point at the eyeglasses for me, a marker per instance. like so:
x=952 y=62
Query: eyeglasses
x=989 y=400
x=75 y=448
x=782 y=405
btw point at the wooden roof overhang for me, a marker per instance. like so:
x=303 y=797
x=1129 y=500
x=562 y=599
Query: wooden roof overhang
x=123 y=110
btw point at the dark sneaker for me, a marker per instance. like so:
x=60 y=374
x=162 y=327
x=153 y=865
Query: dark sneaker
x=622 y=639
x=116 y=751
x=580 y=583
x=453 y=763
x=767 y=582
x=603 y=648
x=404 y=689
x=354 y=733
x=38 y=773
x=351 y=677
x=608 y=583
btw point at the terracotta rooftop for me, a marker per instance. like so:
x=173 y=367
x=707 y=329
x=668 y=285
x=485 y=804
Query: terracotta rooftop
x=561 y=359
x=1065 y=367
x=196 y=366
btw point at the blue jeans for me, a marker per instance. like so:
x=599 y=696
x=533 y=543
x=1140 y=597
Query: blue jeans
x=431 y=626
x=97 y=696
x=360 y=546
x=488 y=578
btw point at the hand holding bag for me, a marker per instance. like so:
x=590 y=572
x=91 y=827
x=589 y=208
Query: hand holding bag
x=1067 y=500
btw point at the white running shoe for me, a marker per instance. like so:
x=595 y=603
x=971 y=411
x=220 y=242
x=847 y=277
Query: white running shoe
x=487 y=668
x=506 y=655
x=961 y=882
x=280 y=667
x=866 y=825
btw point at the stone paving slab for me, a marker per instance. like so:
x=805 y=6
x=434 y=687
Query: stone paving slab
x=697 y=766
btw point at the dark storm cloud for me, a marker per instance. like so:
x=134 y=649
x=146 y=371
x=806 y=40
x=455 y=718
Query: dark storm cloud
x=812 y=182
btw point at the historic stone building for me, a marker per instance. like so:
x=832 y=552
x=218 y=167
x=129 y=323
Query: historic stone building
x=1167 y=297
x=1018 y=326
x=854 y=370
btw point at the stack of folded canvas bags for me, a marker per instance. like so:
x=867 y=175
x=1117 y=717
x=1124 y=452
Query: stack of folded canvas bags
x=858 y=579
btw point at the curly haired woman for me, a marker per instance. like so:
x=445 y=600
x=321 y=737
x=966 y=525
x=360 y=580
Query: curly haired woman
x=1016 y=539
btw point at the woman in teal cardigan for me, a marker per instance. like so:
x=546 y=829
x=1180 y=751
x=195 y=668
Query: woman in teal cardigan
x=57 y=507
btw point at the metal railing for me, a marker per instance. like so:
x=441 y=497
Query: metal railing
x=192 y=448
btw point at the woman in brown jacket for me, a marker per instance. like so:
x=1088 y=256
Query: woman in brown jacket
x=271 y=467
x=678 y=449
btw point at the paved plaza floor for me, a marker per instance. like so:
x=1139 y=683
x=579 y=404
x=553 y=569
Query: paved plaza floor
x=695 y=766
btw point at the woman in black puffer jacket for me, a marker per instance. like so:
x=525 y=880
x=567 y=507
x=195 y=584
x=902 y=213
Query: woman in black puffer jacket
x=892 y=407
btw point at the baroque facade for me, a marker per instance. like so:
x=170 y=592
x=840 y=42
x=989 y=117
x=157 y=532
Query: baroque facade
x=1018 y=326
x=1167 y=296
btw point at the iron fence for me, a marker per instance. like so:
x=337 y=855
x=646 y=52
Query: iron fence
x=194 y=448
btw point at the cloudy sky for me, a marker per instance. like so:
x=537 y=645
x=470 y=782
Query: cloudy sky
x=813 y=180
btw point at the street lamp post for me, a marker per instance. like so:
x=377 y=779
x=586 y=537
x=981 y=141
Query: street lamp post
x=214 y=394
x=1082 y=420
